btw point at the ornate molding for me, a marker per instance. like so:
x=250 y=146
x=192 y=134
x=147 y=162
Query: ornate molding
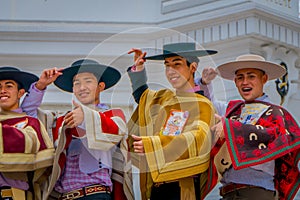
x=168 y=6
x=249 y=26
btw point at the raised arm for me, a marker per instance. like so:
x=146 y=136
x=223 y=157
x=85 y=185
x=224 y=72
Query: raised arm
x=137 y=74
x=34 y=97
x=205 y=82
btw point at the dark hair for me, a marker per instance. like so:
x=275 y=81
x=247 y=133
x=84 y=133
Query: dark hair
x=190 y=60
x=20 y=86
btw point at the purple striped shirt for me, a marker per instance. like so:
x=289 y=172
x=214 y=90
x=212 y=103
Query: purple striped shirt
x=32 y=100
x=72 y=178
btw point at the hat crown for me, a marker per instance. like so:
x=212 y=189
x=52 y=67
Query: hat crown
x=179 y=47
x=250 y=57
x=84 y=62
x=9 y=69
x=25 y=79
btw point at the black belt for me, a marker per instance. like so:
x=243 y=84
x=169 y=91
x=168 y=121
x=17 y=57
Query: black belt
x=173 y=184
x=233 y=187
x=165 y=184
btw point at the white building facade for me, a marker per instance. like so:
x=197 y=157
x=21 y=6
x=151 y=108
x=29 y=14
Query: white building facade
x=38 y=34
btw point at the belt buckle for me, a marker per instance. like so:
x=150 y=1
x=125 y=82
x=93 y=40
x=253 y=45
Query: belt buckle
x=6 y=193
x=158 y=184
x=96 y=189
x=69 y=196
x=227 y=189
x=222 y=191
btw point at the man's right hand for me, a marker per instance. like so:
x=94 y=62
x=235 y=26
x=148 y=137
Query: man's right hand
x=217 y=129
x=47 y=77
x=139 y=59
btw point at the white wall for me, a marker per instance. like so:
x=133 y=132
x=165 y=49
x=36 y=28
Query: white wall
x=112 y=11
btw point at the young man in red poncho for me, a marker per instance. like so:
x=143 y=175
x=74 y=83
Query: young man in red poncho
x=89 y=163
x=258 y=148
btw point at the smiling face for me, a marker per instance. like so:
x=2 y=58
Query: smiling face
x=179 y=74
x=87 y=89
x=10 y=95
x=250 y=83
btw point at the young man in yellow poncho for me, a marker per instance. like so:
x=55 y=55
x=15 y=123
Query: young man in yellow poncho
x=170 y=128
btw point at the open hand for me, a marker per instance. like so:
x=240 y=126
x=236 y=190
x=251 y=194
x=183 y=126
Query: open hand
x=139 y=59
x=47 y=77
x=208 y=74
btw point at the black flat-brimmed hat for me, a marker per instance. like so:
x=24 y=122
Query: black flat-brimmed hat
x=24 y=79
x=109 y=75
x=184 y=49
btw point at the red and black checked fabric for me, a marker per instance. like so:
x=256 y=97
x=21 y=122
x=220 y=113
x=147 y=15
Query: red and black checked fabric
x=280 y=137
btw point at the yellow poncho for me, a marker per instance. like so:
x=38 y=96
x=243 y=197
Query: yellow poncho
x=172 y=158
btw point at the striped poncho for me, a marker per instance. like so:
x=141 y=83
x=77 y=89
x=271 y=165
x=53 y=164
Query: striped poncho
x=26 y=151
x=167 y=157
x=272 y=135
x=99 y=138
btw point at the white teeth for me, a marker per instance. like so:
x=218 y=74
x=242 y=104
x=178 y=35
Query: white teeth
x=3 y=98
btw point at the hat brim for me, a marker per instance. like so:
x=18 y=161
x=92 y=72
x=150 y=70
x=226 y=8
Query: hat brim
x=25 y=79
x=103 y=73
x=273 y=70
x=196 y=53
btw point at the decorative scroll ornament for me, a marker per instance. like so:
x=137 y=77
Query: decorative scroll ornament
x=282 y=84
